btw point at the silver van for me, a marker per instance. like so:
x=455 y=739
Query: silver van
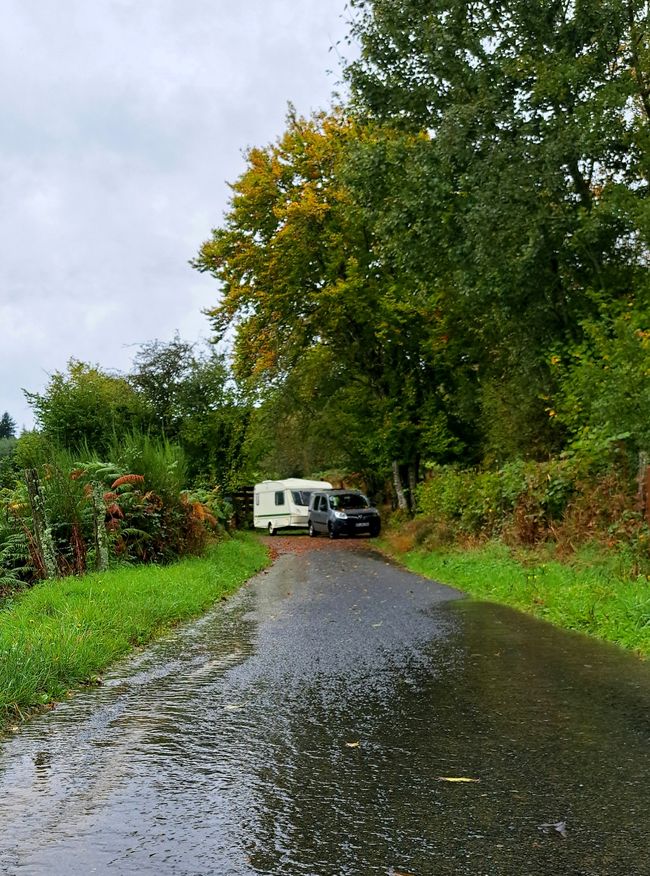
x=342 y=512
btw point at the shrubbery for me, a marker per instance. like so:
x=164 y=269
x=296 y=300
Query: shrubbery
x=569 y=501
x=69 y=512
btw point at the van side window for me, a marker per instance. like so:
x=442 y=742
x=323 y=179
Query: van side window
x=323 y=504
x=279 y=497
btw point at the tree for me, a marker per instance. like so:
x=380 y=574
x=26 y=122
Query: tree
x=7 y=426
x=87 y=407
x=191 y=399
x=307 y=288
x=161 y=370
x=536 y=120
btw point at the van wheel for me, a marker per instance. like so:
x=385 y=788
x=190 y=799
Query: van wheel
x=271 y=529
x=330 y=531
x=310 y=529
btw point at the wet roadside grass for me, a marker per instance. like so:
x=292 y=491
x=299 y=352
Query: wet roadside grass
x=62 y=634
x=592 y=599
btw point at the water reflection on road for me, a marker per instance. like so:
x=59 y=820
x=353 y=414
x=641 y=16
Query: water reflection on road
x=303 y=728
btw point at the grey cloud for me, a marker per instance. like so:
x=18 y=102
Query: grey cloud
x=121 y=122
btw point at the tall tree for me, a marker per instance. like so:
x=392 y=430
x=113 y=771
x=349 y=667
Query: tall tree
x=537 y=118
x=191 y=399
x=161 y=370
x=7 y=426
x=307 y=287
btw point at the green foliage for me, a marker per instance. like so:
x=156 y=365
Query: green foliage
x=317 y=303
x=174 y=393
x=7 y=427
x=134 y=507
x=526 y=498
x=86 y=407
x=7 y=461
x=598 y=598
x=524 y=208
x=7 y=447
x=31 y=450
x=605 y=382
x=161 y=372
x=162 y=463
x=480 y=206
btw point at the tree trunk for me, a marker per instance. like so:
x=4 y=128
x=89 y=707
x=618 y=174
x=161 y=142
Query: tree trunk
x=42 y=531
x=642 y=485
x=413 y=483
x=402 y=504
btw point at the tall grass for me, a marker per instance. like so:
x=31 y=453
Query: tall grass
x=593 y=598
x=163 y=464
x=63 y=633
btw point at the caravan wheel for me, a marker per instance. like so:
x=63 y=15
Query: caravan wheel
x=271 y=529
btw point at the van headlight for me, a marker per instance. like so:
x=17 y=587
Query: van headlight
x=340 y=515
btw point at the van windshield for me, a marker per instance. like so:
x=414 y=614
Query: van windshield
x=348 y=500
x=301 y=497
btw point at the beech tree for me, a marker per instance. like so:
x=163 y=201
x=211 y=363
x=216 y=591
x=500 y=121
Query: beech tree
x=479 y=210
x=309 y=291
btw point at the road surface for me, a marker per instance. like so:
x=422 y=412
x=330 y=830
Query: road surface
x=313 y=724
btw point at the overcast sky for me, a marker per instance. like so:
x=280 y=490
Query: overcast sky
x=121 y=123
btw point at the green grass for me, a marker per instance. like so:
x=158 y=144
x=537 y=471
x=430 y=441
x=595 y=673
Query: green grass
x=61 y=634
x=591 y=599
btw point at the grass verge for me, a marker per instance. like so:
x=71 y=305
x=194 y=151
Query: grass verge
x=591 y=599
x=61 y=634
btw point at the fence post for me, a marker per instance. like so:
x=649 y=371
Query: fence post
x=99 y=518
x=42 y=530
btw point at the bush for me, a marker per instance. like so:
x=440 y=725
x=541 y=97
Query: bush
x=67 y=514
x=529 y=502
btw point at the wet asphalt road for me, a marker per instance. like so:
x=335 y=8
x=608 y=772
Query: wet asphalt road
x=307 y=726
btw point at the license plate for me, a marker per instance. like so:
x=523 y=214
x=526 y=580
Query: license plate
x=362 y=524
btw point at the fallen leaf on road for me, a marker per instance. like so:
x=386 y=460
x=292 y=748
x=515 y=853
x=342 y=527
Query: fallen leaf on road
x=352 y=744
x=456 y=779
x=559 y=826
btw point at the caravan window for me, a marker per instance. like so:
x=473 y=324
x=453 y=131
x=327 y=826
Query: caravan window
x=301 y=497
x=279 y=497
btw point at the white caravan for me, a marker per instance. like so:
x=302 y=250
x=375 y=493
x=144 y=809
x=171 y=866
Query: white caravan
x=284 y=504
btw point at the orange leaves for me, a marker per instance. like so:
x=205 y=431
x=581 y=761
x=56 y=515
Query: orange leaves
x=127 y=479
x=284 y=238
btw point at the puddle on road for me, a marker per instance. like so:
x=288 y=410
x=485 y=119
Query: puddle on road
x=304 y=726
